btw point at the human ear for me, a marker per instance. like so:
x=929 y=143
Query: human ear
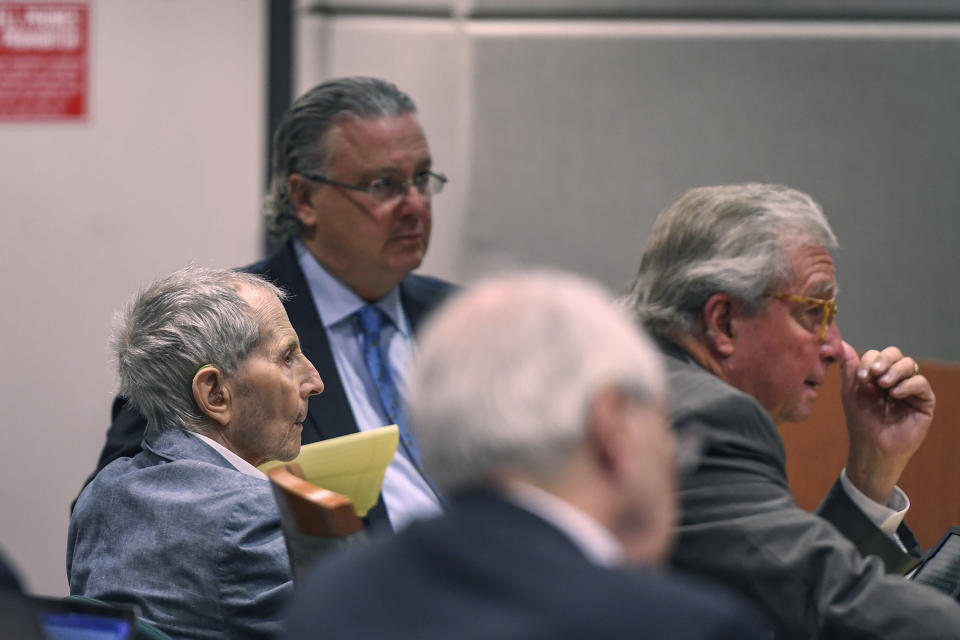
x=608 y=432
x=717 y=318
x=212 y=395
x=301 y=191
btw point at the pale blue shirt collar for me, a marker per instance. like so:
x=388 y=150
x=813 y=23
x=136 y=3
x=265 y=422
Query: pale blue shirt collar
x=336 y=302
x=238 y=463
x=592 y=538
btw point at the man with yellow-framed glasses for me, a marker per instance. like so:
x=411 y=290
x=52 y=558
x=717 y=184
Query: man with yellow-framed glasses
x=738 y=285
x=816 y=313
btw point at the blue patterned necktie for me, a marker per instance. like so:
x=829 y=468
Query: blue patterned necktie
x=369 y=323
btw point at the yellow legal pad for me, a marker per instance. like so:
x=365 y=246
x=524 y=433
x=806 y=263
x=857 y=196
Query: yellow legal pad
x=352 y=465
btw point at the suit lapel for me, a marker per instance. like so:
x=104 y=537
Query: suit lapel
x=412 y=300
x=420 y=295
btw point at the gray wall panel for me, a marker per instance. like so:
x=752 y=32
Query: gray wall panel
x=754 y=8
x=905 y=9
x=578 y=142
x=408 y=7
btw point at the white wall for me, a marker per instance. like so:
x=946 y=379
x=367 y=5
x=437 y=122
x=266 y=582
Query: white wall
x=167 y=170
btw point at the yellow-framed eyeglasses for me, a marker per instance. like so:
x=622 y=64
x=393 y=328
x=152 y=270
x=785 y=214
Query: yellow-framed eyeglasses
x=818 y=312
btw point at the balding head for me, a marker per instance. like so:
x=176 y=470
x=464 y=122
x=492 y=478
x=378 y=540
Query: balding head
x=537 y=377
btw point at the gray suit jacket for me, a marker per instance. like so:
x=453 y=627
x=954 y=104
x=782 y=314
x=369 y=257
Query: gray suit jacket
x=740 y=526
x=181 y=533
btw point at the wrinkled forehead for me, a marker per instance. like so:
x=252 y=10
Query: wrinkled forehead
x=813 y=272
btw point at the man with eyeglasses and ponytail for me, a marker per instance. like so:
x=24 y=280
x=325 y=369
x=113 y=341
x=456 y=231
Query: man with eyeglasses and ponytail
x=737 y=284
x=351 y=196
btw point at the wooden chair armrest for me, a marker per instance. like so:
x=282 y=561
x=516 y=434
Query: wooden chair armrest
x=315 y=511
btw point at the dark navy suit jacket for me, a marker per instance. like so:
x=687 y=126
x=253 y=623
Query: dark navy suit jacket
x=330 y=414
x=489 y=569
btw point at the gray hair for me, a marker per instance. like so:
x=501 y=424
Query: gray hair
x=188 y=319
x=730 y=238
x=300 y=141
x=507 y=371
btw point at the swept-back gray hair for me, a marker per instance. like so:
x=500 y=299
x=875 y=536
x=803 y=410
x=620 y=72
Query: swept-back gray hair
x=300 y=141
x=507 y=371
x=730 y=238
x=190 y=318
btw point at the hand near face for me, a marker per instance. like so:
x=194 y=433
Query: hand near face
x=889 y=408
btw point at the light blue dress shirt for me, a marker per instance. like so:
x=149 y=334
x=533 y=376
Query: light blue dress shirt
x=406 y=494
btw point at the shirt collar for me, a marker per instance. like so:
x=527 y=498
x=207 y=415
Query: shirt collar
x=335 y=301
x=238 y=463
x=593 y=539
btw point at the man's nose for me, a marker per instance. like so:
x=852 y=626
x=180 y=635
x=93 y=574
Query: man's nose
x=413 y=200
x=313 y=385
x=832 y=348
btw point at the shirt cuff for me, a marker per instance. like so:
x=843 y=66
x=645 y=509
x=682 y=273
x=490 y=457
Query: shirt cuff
x=887 y=517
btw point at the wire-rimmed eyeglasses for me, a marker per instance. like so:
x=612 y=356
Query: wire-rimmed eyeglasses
x=426 y=183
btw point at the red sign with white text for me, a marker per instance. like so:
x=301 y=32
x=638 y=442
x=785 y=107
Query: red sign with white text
x=43 y=61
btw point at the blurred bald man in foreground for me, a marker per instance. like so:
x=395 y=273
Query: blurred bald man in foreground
x=546 y=427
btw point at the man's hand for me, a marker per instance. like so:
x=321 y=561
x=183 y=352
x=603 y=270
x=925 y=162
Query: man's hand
x=889 y=407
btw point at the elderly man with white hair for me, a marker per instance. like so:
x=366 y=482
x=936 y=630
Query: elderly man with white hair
x=188 y=529
x=541 y=411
